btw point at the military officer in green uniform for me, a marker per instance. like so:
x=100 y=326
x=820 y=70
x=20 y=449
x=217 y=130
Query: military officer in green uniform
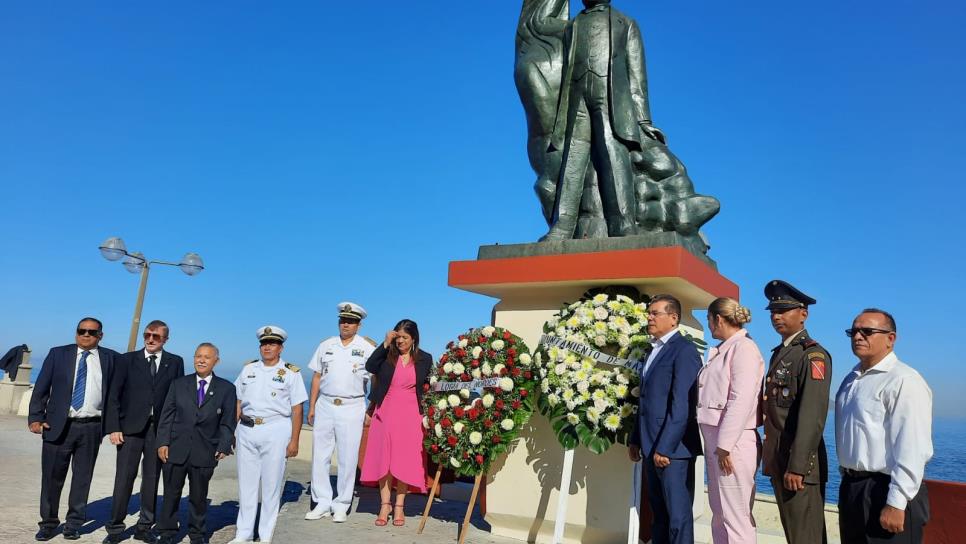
x=795 y=405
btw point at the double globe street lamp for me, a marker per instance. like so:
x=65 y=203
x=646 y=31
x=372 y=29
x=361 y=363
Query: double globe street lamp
x=113 y=249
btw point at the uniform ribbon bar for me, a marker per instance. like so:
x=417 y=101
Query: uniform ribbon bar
x=587 y=351
x=475 y=384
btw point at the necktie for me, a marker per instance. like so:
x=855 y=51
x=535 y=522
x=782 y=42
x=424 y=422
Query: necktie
x=80 y=384
x=201 y=392
x=154 y=370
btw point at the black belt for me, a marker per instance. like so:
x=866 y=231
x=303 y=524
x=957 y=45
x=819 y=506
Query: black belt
x=92 y=419
x=860 y=474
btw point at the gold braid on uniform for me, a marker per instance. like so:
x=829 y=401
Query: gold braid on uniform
x=292 y=367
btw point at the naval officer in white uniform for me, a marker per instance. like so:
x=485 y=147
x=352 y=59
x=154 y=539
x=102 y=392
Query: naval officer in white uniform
x=337 y=411
x=270 y=396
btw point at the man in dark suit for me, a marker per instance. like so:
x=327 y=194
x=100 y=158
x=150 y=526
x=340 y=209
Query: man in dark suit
x=667 y=429
x=134 y=403
x=195 y=431
x=66 y=408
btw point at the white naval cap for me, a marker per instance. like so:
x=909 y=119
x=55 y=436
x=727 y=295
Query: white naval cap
x=351 y=310
x=271 y=332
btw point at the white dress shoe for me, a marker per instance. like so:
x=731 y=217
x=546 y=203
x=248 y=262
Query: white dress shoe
x=318 y=512
x=339 y=517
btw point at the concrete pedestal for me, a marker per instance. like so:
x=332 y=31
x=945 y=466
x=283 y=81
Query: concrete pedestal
x=522 y=488
x=12 y=392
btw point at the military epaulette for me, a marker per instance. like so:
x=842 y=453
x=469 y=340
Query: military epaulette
x=809 y=343
x=251 y=362
x=292 y=367
x=370 y=340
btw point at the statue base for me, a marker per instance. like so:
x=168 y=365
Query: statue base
x=692 y=244
x=523 y=487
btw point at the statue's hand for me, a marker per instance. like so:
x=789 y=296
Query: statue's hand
x=653 y=132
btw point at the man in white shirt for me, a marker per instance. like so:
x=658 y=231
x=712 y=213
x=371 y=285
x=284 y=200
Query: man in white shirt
x=883 y=435
x=337 y=411
x=65 y=408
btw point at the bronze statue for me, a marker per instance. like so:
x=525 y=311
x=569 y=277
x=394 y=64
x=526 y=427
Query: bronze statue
x=602 y=168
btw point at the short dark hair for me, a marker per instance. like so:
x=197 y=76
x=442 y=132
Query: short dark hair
x=94 y=319
x=888 y=317
x=673 y=304
x=157 y=323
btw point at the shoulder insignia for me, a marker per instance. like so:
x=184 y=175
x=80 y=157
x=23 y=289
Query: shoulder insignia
x=370 y=341
x=253 y=361
x=292 y=367
x=809 y=343
x=816 y=361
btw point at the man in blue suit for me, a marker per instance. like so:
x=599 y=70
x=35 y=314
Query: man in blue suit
x=666 y=434
x=66 y=408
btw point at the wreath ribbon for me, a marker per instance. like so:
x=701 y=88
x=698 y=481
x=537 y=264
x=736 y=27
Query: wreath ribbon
x=587 y=351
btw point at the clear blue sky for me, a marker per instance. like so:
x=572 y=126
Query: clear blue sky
x=320 y=151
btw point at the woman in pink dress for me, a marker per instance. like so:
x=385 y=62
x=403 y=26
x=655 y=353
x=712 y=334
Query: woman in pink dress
x=395 y=446
x=729 y=389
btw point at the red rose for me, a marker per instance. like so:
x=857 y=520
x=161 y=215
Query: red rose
x=499 y=404
x=528 y=375
x=474 y=413
x=491 y=353
x=431 y=411
x=466 y=455
x=497 y=439
x=465 y=377
x=497 y=415
x=515 y=372
x=461 y=353
x=479 y=459
x=487 y=423
x=446 y=423
x=482 y=340
x=507 y=335
x=451 y=440
x=512 y=341
x=516 y=405
x=458 y=411
x=444 y=357
x=512 y=352
x=524 y=392
x=475 y=363
x=435 y=448
x=425 y=387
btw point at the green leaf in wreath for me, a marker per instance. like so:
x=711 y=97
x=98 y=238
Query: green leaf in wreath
x=598 y=445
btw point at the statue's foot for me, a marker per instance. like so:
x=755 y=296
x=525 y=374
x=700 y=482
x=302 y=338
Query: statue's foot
x=555 y=235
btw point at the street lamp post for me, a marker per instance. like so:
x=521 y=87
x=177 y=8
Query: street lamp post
x=113 y=249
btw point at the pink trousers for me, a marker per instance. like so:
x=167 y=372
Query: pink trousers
x=731 y=497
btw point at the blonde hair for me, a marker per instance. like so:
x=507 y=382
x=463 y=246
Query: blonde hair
x=729 y=310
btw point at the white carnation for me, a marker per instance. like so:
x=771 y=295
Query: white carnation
x=465 y=393
x=506 y=384
x=475 y=438
x=600 y=313
x=477 y=350
x=438 y=429
x=476 y=374
x=458 y=427
x=448 y=368
x=454 y=462
x=600 y=341
x=425 y=422
x=453 y=400
x=525 y=358
x=498 y=344
x=488 y=331
x=486 y=369
x=487 y=400
x=498 y=368
x=433 y=380
x=458 y=368
x=553 y=399
x=464 y=342
x=507 y=424
x=441 y=404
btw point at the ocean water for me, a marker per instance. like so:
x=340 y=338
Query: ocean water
x=948 y=460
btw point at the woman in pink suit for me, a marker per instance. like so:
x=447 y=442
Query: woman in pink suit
x=395 y=446
x=729 y=389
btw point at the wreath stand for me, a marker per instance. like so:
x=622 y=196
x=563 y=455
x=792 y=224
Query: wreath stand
x=469 y=507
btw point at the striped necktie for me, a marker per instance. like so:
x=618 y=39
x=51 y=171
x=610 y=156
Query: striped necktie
x=80 y=384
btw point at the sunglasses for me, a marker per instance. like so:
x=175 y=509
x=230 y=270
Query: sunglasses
x=153 y=336
x=348 y=320
x=88 y=332
x=865 y=331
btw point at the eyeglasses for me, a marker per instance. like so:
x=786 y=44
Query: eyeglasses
x=866 y=331
x=153 y=336
x=348 y=321
x=88 y=332
x=660 y=313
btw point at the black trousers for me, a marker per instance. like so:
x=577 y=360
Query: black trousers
x=802 y=512
x=76 y=449
x=861 y=500
x=198 y=478
x=137 y=449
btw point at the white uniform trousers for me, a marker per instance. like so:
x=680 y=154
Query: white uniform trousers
x=261 y=459
x=336 y=426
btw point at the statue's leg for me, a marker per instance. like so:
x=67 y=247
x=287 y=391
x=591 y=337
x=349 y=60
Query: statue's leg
x=576 y=159
x=612 y=161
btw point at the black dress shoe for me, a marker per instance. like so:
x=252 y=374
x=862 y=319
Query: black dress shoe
x=45 y=533
x=145 y=535
x=166 y=540
x=112 y=539
x=71 y=533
